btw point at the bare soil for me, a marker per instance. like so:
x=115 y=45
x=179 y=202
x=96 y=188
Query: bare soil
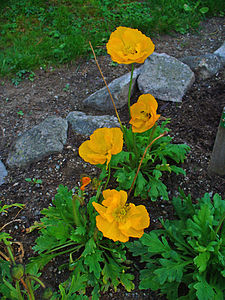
x=62 y=90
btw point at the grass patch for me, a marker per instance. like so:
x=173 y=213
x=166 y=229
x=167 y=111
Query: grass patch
x=35 y=33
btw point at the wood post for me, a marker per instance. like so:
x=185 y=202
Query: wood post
x=217 y=162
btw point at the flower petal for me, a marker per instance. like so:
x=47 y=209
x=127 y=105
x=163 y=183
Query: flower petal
x=85 y=181
x=117 y=140
x=140 y=216
x=99 y=208
x=149 y=101
x=110 y=230
x=114 y=198
x=137 y=220
x=87 y=153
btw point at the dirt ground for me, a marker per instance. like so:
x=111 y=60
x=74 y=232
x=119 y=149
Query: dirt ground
x=62 y=90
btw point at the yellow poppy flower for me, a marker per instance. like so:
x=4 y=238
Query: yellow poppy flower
x=118 y=220
x=143 y=113
x=127 y=46
x=103 y=143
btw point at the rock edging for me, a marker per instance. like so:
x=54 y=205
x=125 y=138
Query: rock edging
x=50 y=135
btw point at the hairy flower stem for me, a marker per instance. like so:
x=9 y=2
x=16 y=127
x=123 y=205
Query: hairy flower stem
x=143 y=156
x=109 y=173
x=107 y=87
x=130 y=86
x=152 y=133
x=135 y=146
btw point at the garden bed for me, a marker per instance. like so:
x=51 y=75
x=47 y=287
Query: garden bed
x=59 y=91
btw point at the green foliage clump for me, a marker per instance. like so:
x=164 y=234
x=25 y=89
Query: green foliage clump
x=12 y=273
x=159 y=158
x=188 y=252
x=68 y=229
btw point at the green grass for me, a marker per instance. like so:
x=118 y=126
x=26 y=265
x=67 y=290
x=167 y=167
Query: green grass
x=39 y=33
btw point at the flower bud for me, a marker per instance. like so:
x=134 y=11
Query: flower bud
x=17 y=271
x=47 y=293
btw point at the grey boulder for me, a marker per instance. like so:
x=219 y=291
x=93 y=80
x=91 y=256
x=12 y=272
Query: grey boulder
x=3 y=172
x=86 y=124
x=38 y=142
x=119 y=88
x=205 y=66
x=165 y=77
x=221 y=52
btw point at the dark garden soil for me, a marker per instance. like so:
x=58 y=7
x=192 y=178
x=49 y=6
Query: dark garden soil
x=60 y=91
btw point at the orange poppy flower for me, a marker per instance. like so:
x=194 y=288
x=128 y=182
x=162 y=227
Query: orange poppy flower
x=103 y=143
x=143 y=113
x=85 y=181
x=118 y=220
x=127 y=46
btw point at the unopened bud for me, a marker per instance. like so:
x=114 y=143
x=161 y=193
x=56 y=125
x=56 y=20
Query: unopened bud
x=17 y=271
x=47 y=293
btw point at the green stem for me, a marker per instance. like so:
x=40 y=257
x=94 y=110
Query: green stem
x=139 y=167
x=19 y=295
x=81 y=195
x=9 y=249
x=30 y=290
x=77 y=248
x=109 y=173
x=110 y=250
x=152 y=133
x=220 y=224
x=135 y=146
x=95 y=236
x=76 y=212
x=32 y=277
x=185 y=245
x=130 y=86
x=117 y=168
x=59 y=247
x=126 y=139
x=98 y=192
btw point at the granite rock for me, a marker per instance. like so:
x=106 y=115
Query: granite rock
x=86 y=124
x=3 y=172
x=119 y=88
x=204 y=66
x=38 y=142
x=165 y=77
